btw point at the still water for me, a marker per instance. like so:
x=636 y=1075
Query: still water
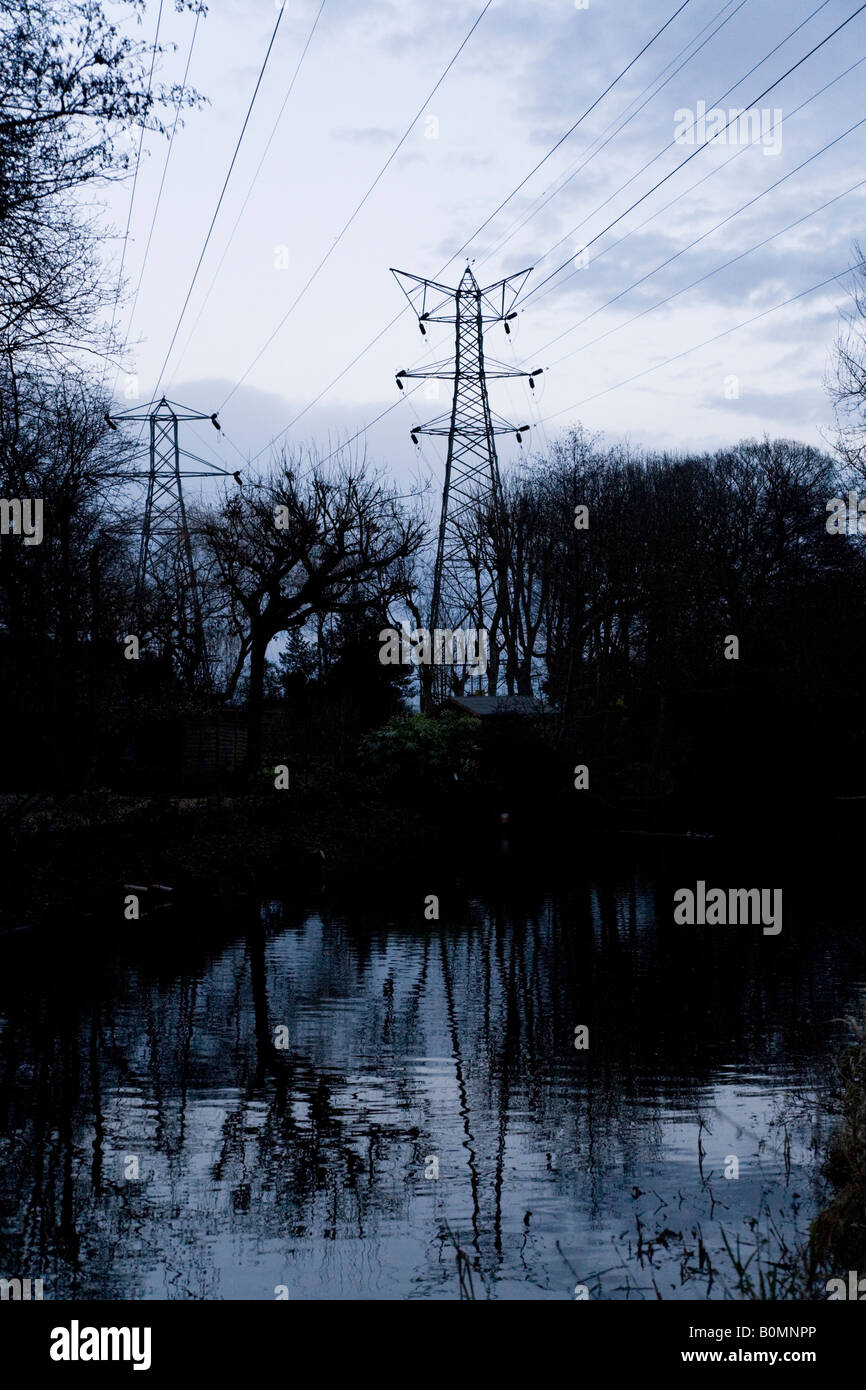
x=259 y=1107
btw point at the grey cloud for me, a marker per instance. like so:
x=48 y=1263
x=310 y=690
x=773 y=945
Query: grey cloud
x=364 y=135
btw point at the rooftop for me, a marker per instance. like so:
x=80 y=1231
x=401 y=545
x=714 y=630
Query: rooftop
x=527 y=706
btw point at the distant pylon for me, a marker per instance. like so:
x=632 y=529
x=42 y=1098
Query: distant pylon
x=471 y=465
x=167 y=598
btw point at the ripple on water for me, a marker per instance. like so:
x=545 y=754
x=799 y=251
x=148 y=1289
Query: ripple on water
x=310 y=1167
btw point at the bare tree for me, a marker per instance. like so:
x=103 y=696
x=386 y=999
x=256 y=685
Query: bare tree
x=56 y=446
x=301 y=541
x=72 y=85
x=507 y=549
x=847 y=385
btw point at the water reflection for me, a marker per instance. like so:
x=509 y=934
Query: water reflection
x=260 y=1165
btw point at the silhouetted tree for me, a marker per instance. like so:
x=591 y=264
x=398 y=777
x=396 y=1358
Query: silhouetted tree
x=300 y=542
x=73 y=86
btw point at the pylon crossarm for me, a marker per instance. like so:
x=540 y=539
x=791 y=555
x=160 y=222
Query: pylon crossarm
x=493 y=367
x=161 y=409
x=500 y=297
x=501 y=426
x=212 y=469
x=434 y=426
x=443 y=370
x=427 y=298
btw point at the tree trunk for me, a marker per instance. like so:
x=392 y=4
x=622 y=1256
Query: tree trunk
x=255 y=702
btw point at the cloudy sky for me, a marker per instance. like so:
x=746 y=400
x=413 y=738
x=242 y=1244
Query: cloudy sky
x=525 y=76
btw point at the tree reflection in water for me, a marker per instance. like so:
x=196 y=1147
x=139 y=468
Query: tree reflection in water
x=305 y=1165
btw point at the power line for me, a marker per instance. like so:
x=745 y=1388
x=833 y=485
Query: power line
x=135 y=179
x=706 y=343
x=331 y=384
x=387 y=411
x=760 y=97
x=697 y=240
x=568 y=133
x=198 y=15
x=540 y=422
x=686 y=192
x=533 y=292
x=534 y=406
x=219 y=200
x=649 y=163
x=716 y=270
x=399 y=315
x=335 y=243
x=370 y=423
x=600 y=143
x=250 y=189
x=701 y=148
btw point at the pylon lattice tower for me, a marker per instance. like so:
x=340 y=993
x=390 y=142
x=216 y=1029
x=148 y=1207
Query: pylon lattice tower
x=471 y=465
x=167 y=596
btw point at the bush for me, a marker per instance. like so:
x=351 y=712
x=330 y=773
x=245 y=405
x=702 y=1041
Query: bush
x=422 y=750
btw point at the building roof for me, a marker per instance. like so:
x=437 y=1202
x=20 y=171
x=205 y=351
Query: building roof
x=527 y=706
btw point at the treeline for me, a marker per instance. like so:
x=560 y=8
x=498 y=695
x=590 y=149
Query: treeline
x=696 y=630
x=626 y=622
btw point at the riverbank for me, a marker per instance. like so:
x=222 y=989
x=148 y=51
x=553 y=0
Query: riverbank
x=80 y=850
x=77 y=851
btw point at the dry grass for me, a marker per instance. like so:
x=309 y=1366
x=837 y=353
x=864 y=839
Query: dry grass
x=839 y=1233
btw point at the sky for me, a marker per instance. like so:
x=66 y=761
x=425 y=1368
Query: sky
x=527 y=73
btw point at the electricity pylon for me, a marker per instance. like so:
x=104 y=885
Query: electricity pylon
x=167 y=598
x=471 y=465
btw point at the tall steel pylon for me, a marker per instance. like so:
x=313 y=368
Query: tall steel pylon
x=471 y=465
x=167 y=597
